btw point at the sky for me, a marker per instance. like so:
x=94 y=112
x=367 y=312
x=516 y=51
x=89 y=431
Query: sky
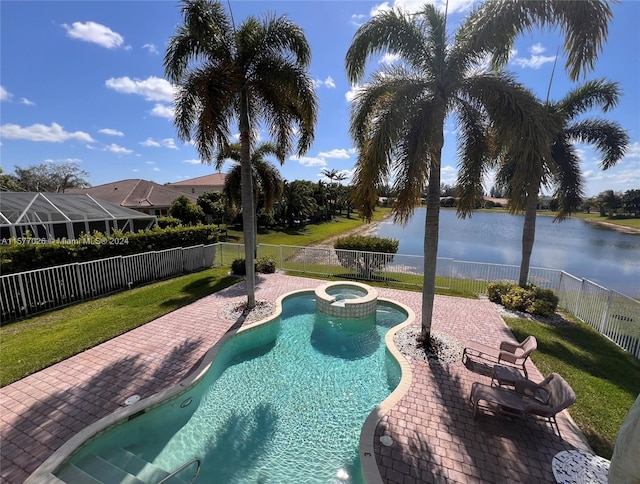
x=83 y=82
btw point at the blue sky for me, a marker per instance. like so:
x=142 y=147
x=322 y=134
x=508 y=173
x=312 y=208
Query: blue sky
x=82 y=82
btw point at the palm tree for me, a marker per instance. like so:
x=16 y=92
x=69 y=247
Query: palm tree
x=523 y=177
x=297 y=202
x=397 y=119
x=255 y=73
x=267 y=179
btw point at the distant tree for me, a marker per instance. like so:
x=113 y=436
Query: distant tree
x=496 y=192
x=216 y=207
x=49 y=177
x=297 y=203
x=447 y=190
x=9 y=182
x=631 y=202
x=608 y=203
x=188 y=212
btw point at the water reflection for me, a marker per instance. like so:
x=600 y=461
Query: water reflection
x=607 y=257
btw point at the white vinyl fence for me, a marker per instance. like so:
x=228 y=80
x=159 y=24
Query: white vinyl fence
x=613 y=314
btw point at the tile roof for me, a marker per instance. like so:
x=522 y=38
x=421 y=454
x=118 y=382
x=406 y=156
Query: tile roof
x=135 y=193
x=215 y=179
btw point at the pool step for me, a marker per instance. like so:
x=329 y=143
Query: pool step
x=137 y=466
x=114 y=466
x=93 y=469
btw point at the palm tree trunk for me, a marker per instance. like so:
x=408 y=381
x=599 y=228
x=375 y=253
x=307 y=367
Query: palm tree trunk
x=528 y=236
x=431 y=231
x=248 y=212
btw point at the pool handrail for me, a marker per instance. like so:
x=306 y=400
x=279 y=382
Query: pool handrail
x=183 y=467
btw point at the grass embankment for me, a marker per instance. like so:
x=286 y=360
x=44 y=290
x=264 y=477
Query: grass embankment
x=32 y=344
x=605 y=378
x=633 y=223
x=312 y=233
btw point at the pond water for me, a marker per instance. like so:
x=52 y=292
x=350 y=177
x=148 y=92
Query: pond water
x=604 y=256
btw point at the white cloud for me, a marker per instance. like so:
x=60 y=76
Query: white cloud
x=633 y=151
x=309 y=161
x=64 y=160
x=162 y=111
x=535 y=61
x=151 y=48
x=152 y=143
x=537 y=49
x=111 y=132
x=4 y=94
x=328 y=82
x=26 y=102
x=150 y=162
x=337 y=153
x=156 y=169
x=389 y=59
x=152 y=88
x=40 y=132
x=119 y=150
x=95 y=33
x=135 y=170
x=193 y=161
x=412 y=6
x=351 y=94
x=358 y=19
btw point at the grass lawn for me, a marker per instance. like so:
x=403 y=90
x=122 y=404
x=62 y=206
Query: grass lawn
x=595 y=217
x=312 y=233
x=32 y=344
x=605 y=378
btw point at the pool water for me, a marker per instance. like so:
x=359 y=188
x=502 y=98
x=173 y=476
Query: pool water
x=283 y=402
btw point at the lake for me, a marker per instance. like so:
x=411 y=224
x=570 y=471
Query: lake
x=604 y=256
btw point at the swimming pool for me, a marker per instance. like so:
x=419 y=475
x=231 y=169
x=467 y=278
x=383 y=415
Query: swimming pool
x=284 y=401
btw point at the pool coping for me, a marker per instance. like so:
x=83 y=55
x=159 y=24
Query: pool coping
x=44 y=473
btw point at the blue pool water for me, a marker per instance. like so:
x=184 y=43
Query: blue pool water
x=283 y=402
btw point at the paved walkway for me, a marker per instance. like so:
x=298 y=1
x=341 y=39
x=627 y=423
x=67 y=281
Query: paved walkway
x=436 y=438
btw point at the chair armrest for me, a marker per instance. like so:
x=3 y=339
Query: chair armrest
x=507 y=356
x=508 y=346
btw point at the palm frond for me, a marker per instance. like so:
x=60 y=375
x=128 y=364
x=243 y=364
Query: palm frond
x=608 y=138
x=600 y=92
x=390 y=31
x=475 y=155
x=494 y=26
x=567 y=178
x=203 y=35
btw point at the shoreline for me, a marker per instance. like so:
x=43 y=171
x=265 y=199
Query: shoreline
x=365 y=229
x=608 y=225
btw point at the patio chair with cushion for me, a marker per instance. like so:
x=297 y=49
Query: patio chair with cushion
x=511 y=353
x=542 y=400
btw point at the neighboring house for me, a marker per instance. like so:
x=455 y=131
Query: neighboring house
x=141 y=195
x=198 y=186
x=503 y=202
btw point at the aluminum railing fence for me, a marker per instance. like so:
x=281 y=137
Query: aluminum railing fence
x=27 y=293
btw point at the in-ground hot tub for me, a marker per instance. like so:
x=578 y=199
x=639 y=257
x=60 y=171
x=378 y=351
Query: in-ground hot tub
x=352 y=300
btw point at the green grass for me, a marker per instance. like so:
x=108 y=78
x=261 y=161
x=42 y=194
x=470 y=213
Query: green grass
x=595 y=217
x=312 y=233
x=32 y=344
x=605 y=378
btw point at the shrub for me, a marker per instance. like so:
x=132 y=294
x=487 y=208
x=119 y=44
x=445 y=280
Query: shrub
x=164 y=222
x=531 y=299
x=266 y=265
x=495 y=290
x=365 y=255
x=238 y=267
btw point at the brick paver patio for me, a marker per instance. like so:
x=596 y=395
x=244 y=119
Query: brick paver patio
x=435 y=437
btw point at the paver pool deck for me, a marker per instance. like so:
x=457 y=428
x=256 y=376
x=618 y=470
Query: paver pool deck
x=435 y=437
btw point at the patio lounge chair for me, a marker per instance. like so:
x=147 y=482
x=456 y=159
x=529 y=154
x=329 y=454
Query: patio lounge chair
x=543 y=400
x=509 y=352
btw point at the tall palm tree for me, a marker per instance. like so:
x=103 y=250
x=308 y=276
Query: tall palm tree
x=266 y=177
x=255 y=73
x=397 y=118
x=523 y=177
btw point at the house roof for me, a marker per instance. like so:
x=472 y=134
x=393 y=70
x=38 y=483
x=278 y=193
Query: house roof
x=215 y=179
x=134 y=193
